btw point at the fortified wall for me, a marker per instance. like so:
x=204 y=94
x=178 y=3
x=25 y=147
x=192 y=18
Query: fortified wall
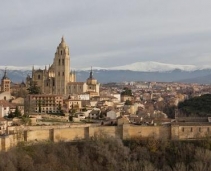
x=126 y=131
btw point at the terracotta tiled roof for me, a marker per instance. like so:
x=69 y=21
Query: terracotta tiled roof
x=2 y=119
x=44 y=95
x=5 y=103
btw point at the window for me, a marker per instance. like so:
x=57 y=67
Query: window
x=183 y=129
x=59 y=61
x=62 y=61
x=191 y=129
x=199 y=129
x=38 y=77
x=63 y=73
x=61 y=52
x=58 y=73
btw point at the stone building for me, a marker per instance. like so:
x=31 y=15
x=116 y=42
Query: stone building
x=91 y=86
x=59 y=79
x=54 y=80
x=44 y=103
x=5 y=87
x=5 y=83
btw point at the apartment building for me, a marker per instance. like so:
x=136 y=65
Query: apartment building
x=43 y=103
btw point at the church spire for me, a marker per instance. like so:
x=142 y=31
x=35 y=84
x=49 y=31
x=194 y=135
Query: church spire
x=5 y=74
x=91 y=74
x=62 y=39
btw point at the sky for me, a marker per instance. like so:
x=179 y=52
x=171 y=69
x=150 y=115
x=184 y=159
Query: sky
x=106 y=33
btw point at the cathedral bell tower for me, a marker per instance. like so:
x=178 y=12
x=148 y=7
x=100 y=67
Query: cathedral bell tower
x=62 y=67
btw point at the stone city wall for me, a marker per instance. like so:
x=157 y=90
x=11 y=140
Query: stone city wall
x=185 y=132
x=126 y=131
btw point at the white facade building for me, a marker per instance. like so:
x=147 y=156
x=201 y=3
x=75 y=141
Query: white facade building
x=84 y=96
x=111 y=114
x=4 y=111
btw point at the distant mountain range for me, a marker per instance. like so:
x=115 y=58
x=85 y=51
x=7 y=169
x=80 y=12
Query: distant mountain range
x=140 y=71
x=151 y=66
x=148 y=66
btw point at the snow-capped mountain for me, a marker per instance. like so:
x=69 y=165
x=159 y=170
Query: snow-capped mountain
x=151 y=66
x=148 y=66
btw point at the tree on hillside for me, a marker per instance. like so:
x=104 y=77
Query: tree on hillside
x=60 y=111
x=126 y=91
x=197 y=106
x=39 y=106
x=170 y=111
x=17 y=112
x=34 y=88
x=128 y=102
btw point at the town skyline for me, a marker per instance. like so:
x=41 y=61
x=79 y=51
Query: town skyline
x=106 y=34
x=105 y=85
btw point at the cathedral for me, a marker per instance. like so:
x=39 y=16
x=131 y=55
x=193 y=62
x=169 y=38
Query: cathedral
x=58 y=79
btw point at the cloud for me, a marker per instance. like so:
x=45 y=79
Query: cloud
x=105 y=33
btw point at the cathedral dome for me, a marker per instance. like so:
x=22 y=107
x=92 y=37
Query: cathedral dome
x=91 y=80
